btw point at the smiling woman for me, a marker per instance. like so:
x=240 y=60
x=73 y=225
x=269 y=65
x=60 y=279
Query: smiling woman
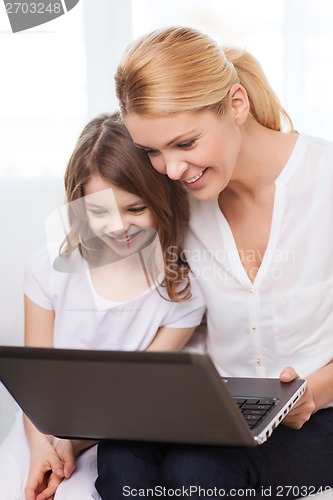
x=257 y=189
x=185 y=152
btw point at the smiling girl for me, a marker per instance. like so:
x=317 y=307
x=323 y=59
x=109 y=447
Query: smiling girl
x=114 y=284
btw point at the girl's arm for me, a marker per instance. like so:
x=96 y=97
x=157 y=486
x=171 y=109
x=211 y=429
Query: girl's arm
x=170 y=339
x=166 y=339
x=39 y=325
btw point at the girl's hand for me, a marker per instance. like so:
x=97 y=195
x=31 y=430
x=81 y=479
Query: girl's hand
x=48 y=467
x=45 y=468
x=67 y=454
x=304 y=407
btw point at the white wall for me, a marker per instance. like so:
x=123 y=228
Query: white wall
x=107 y=31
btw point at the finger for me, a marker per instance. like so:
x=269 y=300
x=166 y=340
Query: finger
x=288 y=374
x=68 y=459
x=57 y=466
x=51 y=488
x=69 y=468
x=36 y=483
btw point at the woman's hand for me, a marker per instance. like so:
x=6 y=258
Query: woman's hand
x=304 y=407
x=48 y=467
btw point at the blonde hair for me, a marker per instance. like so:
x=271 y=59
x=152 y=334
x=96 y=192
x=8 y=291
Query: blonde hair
x=180 y=69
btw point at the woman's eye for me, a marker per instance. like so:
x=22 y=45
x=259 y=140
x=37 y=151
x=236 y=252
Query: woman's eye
x=151 y=152
x=186 y=145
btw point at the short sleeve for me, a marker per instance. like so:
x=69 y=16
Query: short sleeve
x=189 y=313
x=38 y=278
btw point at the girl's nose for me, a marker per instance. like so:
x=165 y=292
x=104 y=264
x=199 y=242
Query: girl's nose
x=114 y=223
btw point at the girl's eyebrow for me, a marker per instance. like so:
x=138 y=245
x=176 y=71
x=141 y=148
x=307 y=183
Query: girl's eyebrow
x=91 y=204
x=135 y=203
x=139 y=201
x=170 y=143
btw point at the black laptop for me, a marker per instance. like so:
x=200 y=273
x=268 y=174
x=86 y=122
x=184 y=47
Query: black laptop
x=144 y=396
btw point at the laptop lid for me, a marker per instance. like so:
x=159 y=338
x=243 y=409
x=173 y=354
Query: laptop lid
x=146 y=396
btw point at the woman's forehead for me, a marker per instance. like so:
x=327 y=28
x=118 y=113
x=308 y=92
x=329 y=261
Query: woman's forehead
x=165 y=130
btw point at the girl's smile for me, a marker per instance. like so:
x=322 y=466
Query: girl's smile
x=119 y=218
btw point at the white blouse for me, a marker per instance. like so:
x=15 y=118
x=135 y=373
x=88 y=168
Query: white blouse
x=285 y=317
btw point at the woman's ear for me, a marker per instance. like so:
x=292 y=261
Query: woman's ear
x=239 y=102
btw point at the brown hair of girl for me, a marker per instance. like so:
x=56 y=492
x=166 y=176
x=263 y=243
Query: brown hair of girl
x=105 y=148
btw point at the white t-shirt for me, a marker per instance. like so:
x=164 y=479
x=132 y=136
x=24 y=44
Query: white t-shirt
x=285 y=317
x=83 y=319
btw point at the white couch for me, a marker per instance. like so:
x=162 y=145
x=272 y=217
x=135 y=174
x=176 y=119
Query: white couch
x=25 y=203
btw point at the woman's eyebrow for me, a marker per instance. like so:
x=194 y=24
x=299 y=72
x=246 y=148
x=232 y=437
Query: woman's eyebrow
x=170 y=143
x=180 y=137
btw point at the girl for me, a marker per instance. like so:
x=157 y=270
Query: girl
x=117 y=283
x=260 y=241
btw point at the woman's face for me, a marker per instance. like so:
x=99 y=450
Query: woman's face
x=198 y=148
x=119 y=218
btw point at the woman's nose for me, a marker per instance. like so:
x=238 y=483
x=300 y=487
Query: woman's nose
x=175 y=169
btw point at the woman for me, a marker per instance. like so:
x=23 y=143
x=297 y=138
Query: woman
x=260 y=243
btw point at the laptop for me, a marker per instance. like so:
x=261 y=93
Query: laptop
x=165 y=397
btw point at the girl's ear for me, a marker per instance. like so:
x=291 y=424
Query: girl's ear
x=239 y=102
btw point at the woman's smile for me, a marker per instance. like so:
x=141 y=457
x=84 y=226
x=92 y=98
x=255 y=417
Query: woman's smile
x=194 y=182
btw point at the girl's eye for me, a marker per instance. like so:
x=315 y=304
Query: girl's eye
x=186 y=145
x=98 y=213
x=137 y=210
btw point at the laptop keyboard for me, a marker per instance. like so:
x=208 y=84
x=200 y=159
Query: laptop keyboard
x=254 y=409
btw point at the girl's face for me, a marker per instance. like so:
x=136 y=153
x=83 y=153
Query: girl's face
x=119 y=218
x=199 y=148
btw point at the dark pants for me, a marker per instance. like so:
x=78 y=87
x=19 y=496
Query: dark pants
x=291 y=464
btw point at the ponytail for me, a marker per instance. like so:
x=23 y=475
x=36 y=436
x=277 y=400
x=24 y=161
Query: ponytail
x=265 y=107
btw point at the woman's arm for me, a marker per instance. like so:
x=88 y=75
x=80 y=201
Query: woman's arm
x=170 y=339
x=321 y=382
x=319 y=393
